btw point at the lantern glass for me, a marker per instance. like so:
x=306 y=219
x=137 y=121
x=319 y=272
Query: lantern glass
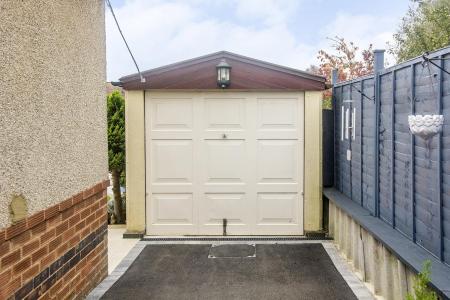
x=223 y=74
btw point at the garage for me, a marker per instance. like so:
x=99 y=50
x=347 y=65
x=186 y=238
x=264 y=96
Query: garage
x=209 y=154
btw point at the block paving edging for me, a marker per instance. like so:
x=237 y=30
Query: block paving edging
x=357 y=286
x=123 y=266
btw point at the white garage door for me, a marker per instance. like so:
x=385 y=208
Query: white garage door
x=212 y=156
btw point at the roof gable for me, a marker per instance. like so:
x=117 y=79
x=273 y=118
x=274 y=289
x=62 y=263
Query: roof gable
x=246 y=73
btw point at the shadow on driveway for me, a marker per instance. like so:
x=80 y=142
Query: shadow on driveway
x=280 y=271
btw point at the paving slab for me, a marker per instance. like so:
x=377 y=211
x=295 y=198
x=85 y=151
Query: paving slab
x=118 y=247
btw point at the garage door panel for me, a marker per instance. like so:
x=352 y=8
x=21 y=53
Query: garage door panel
x=217 y=207
x=224 y=135
x=232 y=229
x=281 y=135
x=175 y=209
x=233 y=207
x=224 y=114
x=172 y=161
x=279 y=214
x=225 y=188
x=277 y=187
x=173 y=188
x=277 y=114
x=225 y=161
x=277 y=208
x=278 y=229
x=172 y=135
x=277 y=161
x=172 y=114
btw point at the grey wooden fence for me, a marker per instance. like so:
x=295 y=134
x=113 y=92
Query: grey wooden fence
x=385 y=168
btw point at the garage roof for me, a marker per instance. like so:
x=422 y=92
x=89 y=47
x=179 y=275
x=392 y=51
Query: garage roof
x=246 y=74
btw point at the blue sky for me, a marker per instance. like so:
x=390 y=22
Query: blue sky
x=287 y=32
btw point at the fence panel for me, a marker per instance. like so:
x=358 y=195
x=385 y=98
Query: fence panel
x=426 y=195
x=413 y=193
x=402 y=153
x=368 y=143
x=337 y=103
x=385 y=147
x=355 y=139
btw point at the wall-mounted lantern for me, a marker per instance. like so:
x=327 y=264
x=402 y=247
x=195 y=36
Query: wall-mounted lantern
x=223 y=74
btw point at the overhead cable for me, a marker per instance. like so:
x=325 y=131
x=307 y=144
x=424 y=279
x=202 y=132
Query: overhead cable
x=125 y=41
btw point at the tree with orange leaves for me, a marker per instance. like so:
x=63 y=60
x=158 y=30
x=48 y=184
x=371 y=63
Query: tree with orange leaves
x=350 y=61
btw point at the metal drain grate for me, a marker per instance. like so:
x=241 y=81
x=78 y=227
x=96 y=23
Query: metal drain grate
x=244 y=239
x=316 y=234
x=232 y=251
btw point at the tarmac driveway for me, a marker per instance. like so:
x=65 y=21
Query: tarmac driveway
x=261 y=271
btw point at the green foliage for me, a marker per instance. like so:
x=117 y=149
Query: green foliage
x=426 y=27
x=122 y=178
x=116 y=131
x=421 y=290
x=327 y=103
x=116 y=150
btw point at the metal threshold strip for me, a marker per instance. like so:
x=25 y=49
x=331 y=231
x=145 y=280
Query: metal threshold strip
x=234 y=238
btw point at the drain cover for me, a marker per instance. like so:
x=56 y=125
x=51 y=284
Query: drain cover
x=232 y=251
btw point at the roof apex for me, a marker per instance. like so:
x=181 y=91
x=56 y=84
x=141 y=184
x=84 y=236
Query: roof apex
x=219 y=55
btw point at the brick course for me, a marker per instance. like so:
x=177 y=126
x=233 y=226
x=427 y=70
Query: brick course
x=57 y=253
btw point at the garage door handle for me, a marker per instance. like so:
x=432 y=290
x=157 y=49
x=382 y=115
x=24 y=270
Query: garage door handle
x=224 y=136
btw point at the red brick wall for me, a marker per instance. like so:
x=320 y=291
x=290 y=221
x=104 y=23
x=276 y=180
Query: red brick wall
x=57 y=253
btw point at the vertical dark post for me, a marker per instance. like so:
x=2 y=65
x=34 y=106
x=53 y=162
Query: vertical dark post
x=361 y=143
x=413 y=153
x=393 y=149
x=378 y=66
x=334 y=77
x=439 y=164
x=334 y=80
x=350 y=139
x=342 y=142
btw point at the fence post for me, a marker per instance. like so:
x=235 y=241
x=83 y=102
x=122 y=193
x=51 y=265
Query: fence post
x=378 y=66
x=334 y=80
x=439 y=163
x=334 y=76
x=350 y=140
x=361 y=109
x=413 y=153
x=393 y=148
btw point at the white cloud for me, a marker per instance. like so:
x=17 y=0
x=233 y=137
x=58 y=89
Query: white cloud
x=162 y=32
x=267 y=11
x=363 y=30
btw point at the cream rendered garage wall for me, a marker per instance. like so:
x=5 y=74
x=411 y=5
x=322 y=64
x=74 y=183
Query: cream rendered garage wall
x=313 y=161
x=135 y=160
